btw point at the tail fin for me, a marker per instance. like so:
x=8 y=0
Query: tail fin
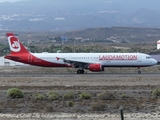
x=15 y=45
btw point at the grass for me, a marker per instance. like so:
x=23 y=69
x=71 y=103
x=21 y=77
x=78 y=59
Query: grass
x=98 y=106
x=156 y=92
x=70 y=103
x=69 y=95
x=14 y=93
x=106 y=96
x=123 y=96
x=85 y=95
x=39 y=96
x=52 y=95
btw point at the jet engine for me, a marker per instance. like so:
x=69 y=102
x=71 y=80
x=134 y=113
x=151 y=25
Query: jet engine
x=95 y=67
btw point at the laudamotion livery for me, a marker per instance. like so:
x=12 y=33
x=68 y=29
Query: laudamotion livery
x=92 y=61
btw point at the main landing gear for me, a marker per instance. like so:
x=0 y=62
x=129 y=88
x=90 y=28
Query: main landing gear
x=80 y=71
x=139 y=71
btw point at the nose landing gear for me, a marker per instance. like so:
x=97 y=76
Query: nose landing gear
x=139 y=71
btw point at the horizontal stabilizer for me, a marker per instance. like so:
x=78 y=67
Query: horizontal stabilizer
x=12 y=57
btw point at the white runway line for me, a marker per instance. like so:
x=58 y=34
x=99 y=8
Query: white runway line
x=74 y=116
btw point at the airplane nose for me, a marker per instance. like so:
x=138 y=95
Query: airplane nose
x=155 y=62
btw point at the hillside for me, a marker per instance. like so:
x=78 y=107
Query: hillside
x=132 y=34
x=53 y=15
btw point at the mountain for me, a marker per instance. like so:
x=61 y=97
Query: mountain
x=40 y=15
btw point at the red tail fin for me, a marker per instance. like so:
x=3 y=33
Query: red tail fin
x=15 y=45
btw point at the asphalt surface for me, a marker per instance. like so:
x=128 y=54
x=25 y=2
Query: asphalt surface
x=78 y=75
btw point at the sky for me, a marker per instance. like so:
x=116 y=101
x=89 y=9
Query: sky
x=9 y=0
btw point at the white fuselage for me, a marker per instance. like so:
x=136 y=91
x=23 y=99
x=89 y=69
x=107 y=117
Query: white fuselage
x=105 y=59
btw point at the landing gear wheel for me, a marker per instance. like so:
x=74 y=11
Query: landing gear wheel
x=80 y=71
x=139 y=72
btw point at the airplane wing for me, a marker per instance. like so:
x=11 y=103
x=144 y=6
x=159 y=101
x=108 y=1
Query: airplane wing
x=76 y=63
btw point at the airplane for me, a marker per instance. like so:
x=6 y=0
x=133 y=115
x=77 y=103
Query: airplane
x=94 y=62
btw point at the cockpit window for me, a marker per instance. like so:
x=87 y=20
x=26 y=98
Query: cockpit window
x=148 y=57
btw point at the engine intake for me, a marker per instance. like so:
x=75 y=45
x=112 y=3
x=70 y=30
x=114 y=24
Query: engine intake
x=95 y=67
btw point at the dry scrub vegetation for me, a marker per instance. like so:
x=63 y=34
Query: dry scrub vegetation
x=69 y=93
x=78 y=101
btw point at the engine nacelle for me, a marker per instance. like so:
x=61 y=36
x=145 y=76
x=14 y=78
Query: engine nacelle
x=95 y=67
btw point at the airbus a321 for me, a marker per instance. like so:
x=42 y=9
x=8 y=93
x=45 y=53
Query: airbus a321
x=94 y=62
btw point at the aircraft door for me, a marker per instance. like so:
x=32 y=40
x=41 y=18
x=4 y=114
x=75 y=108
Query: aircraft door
x=139 y=58
x=29 y=58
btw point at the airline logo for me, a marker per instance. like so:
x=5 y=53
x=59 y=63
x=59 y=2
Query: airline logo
x=14 y=44
x=118 y=57
x=57 y=58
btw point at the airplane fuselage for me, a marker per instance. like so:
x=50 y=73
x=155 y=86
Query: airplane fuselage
x=105 y=59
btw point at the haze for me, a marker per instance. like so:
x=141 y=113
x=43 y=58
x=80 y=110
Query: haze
x=72 y=14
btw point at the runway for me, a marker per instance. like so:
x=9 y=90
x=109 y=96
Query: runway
x=79 y=75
